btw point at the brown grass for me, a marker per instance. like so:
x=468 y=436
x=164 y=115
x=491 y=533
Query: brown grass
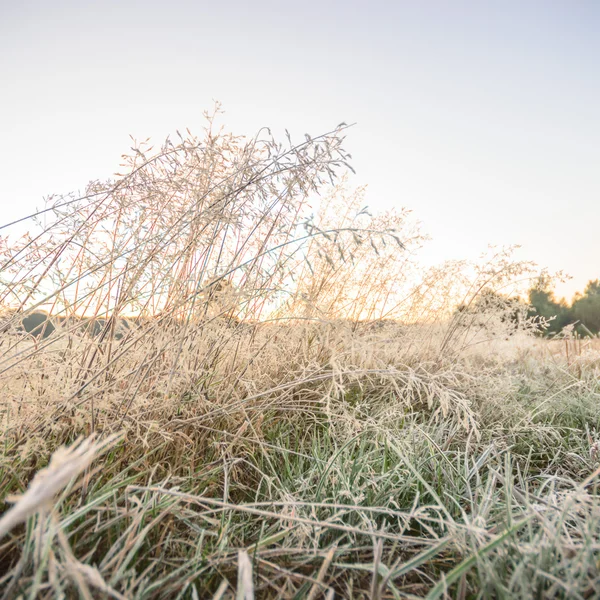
x=303 y=410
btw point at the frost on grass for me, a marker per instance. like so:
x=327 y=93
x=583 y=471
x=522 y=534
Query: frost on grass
x=307 y=411
x=66 y=464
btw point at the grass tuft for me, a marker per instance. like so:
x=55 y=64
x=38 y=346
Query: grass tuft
x=224 y=378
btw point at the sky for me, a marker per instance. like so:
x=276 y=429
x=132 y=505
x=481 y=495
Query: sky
x=481 y=117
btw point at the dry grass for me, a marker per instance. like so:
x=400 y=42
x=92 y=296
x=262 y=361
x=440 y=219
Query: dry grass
x=323 y=424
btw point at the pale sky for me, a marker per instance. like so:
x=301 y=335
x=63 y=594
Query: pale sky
x=482 y=117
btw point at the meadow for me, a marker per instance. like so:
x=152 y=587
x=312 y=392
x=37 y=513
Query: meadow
x=273 y=399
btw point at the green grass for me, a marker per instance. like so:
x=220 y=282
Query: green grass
x=302 y=410
x=410 y=506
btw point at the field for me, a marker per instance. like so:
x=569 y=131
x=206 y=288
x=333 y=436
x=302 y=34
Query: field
x=295 y=408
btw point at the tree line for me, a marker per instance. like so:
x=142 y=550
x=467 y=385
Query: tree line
x=583 y=312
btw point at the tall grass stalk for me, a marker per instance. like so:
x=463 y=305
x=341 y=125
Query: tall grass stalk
x=251 y=389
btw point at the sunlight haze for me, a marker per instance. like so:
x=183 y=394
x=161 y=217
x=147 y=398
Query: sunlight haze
x=480 y=117
x=233 y=368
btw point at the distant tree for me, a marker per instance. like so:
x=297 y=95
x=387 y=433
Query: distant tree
x=555 y=314
x=38 y=324
x=586 y=308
